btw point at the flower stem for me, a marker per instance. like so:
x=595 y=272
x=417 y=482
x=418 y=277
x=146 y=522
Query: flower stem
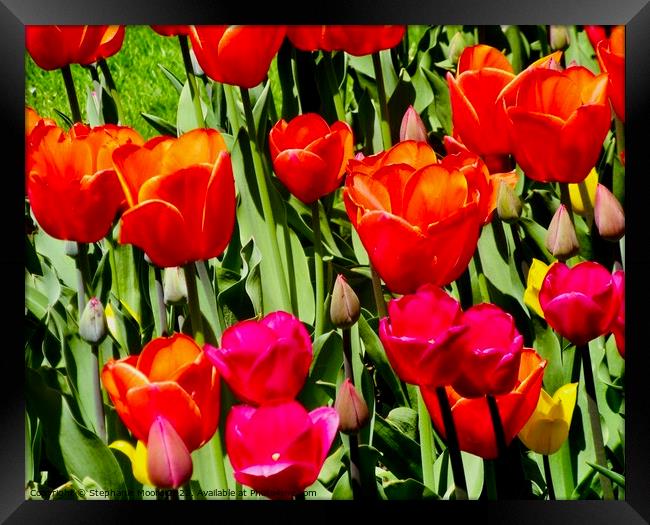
x=112 y=88
x=211 y=294
x=547 y=475
x=355 y=472
x=267 y=209
x=427 y=454
x=191 y=79
x=594 y=420
x=72 y=94
x=161 y=310
x=497 y=425
x=565 y=198
x=97 y=394
x=333 y=85
x=384 y=121
x=380 y=301
x=193 y=303
x=452 y=444
x=490 y=479
x=318 y=269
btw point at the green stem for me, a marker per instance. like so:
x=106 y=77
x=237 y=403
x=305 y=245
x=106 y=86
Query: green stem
x=72 y=94
x=233 y=114
x=187 y=491
x=384 y=121
x=112 y=88
x=267 y=209
x=565 y=198
x=100 y=420
x=217 y=451
x=318 y=269
x=160 y=310
x=490 y=479
x=594 y=420
x=355 y=472
x=211 y=295
x=452 y=444
x=380 y=301
x=333 y=85
x=618 y=182
x=549 y=479
x=191 y=79
x=296 y=77
x=193 y=303
x=427 y=453
x=497 y=425
x=586 y=202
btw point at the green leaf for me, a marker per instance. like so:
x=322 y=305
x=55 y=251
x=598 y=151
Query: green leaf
x=186 y=115
x=326 y=363
x=405 y=419
x=408 y=489
x=175 y=81
x=473 y=466
x=547 y=345
x=400 y=453
x=72 y=448
x=93 y=105
x=161 y=125
x=54 y=250
x=441 y=102
x=614 y=476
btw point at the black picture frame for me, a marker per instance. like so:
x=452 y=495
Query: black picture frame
x=635 y=14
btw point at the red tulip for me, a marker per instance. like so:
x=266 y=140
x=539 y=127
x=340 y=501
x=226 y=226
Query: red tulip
x=265 y=361
x=53 y=47
x=310 y=157
x=279 y=450
x=478 y=112
x=472 y=416
x=73 y=190
x=354 y=40
x=181 y=189
x=491 y=351
x=420 y=336
x=595 y=35
x=35 y=128
x=171 y=379
x=611 y=57
x=419 y=220
x=579 y=303
x=172 y=30
x=618 y=325
x=238 y=55
x=559 y=120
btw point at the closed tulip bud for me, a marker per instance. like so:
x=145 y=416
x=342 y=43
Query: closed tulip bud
x=92 y=326
x=168 y=461
x=412 y=127
x=456 y=47
x=351 y=408
x=608 y=214
x=345 y=307
x=561 y=239
x=559 y=37
x=508 y=203
x=174 y=285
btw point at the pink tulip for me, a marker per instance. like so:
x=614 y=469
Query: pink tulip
x=491 y=350
x=279 y=450
x=265 y=361
x=419 y=335
x=579 y=303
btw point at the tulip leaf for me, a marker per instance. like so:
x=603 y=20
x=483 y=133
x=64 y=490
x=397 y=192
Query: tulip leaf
x=125 y=266
x=175 y=81
x=441 y=106
x=162 y=126
x=326 y=363
x=332 y=467
x=343 y=489
x=547 y=345
x=408 y=489
x=473 y=466
x=93 y=105
x=400 y=453
x=54 y=250
x=72 y=448
x=614 y=476
x=186 y=115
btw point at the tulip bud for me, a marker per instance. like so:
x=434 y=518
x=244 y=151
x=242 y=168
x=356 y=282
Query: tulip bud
x=174 y=285
x=608 y=214
x=559 y=37
x=71 y=248
x=561 y=239
x=345 y=307
x=412 y=127
x=168 y=461
x=456 y=46
x=93 y=326
x=351 y=408
x=508 y=203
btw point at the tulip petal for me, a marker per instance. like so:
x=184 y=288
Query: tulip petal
x=481 y=56
x=218 y=217
x=302 y=172
x=161 y=358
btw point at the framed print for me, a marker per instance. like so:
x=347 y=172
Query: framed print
x=371 y=254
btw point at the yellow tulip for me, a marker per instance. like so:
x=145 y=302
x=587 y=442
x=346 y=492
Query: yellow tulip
x=548 y=427
x=579 y=204
x=138 y=457
x=536 y=274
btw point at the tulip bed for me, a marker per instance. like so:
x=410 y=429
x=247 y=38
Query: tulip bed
x=338 y=262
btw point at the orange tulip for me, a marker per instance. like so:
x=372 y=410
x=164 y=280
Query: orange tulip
x=355 y=40
x=611 y=57
x=53 y=47
x=472 y=416
x=559 y=120
x=310 y=157
x=171 y=379
x=418 y=219
x=479 y=117
x=237 y=55
x=73 y=190
x=181 y=189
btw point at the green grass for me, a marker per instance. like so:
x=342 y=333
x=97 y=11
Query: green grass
x=141 y=84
